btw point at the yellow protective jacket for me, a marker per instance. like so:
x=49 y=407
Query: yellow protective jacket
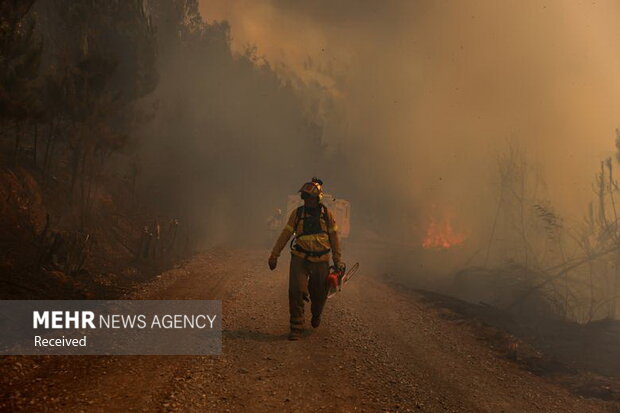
x=307 y=245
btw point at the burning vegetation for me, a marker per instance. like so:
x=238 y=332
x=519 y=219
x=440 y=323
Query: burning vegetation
x=440 y=233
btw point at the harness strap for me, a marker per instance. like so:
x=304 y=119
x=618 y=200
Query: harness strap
x=314 y=254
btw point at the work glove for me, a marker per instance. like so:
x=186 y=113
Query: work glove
x=273 y=263
x=340 y=266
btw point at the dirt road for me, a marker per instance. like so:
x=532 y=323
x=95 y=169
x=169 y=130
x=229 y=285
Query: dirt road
x=378 y=349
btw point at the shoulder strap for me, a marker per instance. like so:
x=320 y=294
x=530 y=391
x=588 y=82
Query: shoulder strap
x=298 y=215
x=325 y=216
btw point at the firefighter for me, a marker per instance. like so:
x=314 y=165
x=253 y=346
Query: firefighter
x=316 y=237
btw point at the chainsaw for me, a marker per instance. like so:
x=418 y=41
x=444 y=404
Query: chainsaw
x=337 y=278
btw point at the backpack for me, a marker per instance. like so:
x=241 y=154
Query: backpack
x=299 y=216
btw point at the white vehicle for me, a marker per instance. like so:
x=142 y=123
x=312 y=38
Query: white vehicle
x=340 y=209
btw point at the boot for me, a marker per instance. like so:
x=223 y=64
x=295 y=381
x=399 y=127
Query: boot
x=294 y=335
x=316 y=321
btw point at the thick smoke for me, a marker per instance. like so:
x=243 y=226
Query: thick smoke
x=420 y=98
x=228 y=141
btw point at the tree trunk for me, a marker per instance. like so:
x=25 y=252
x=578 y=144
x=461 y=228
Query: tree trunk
x=613 y=310
x=76 y=156
x=17 y=139
x=48 y=146
x=35 y=138
x=83 y=181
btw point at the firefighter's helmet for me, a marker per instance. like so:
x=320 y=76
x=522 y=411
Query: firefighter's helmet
x=313 y=188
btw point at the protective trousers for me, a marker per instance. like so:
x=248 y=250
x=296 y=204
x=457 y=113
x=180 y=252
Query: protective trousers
x=306 y=277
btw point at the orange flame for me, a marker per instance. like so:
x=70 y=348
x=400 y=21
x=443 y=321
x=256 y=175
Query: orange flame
x=440 y=234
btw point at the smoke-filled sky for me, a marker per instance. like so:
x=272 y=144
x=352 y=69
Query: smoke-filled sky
x=427 y=93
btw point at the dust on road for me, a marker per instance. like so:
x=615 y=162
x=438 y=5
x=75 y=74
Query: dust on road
x=377 y=349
